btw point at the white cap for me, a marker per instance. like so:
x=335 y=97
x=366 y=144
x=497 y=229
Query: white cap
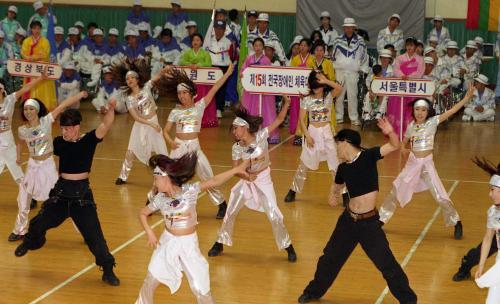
x=428 y=49
x=98 y=32
x=137 y=2
x=37 y=5
x=324 y=14
x=394 y=16
x=21 y=31
x=113 y=31
x=495 y=180
x=482 y=79
x=107 y=69
x=433 y=38
x=12 y=8
x=73 y=31
x=58 y=30
x=452 y=45
x=177 y=2
x=131 y=33
x=69 y=66
x=2 y=34
x=263 y=17
x=157 y=31
x=191 y=23
x=142 y=27
x=270 y=44
x=349 y=22
x=438 y=18
x=385 y=53
x=479 y=40
x=296 y=40
x=79 y=23
x=471 y=44
x=429 y=60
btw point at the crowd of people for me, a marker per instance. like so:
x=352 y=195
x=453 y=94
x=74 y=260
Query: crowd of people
x=129 y=76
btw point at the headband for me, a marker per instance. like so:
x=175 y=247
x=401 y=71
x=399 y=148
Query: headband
x=33 y=103
x=495 y=180
x=240 y=122
x=183 y=87
x=421 y=103
x=132 y=73
x=159 y=172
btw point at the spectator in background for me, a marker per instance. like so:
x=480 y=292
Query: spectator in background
x=19 y=38
x=293 y=49
x=133 y=49
x=266 y=34
x=326 y=29
x=89 y=39
x=136 y=16
x=69 y=84
x=316 y=37
x=145 y=39
x=391 y=34
x=9 y=25
x=80 y=26
x=192 y=28
x=234 y=24
x=482 y=106
x=109 y=88
x=177 y=21
x=115 y=49
x=270 y=53
x=63 y=48
x=165 y=52
x=6 y=53
x=41 y=15
x=472 y=63
x=251 y=27
x=440 y=32
x=419 y=50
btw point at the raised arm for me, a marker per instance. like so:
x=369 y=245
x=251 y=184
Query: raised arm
x=220 y=179
x=337 y=88
x=458 y=106
x=107 y=121
x=30 y=85
x=388 y=131
x=210 y=95
x=281 y=116
x=67 y=103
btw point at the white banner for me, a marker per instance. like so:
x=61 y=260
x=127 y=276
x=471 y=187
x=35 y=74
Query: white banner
x=274 y=80
x=24 y=68
x=202 y=75
x=400 y=87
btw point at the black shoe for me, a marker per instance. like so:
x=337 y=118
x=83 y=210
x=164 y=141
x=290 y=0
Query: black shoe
x=216 y=249
x=109 y=276
x=306 y=298
x=297 y=141
x=458 y=230
x=292 y=256
x=21 y=250
x=222 y=211
x=120 y=181
x=33 y=204
x=15 y=237
x=461 y=275
x=290 y=196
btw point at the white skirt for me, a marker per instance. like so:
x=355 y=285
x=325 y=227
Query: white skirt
x=40 y=178
x=144 y=140
x=323 y=150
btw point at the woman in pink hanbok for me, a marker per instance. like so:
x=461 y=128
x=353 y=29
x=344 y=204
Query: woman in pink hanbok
x=266 y=108
x=409 y=65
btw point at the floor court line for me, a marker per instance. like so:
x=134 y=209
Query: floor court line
x=419 y=240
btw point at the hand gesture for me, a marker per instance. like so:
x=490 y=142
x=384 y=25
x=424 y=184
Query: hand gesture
x=103 y=110
x=174 y=145
x=44 y=74
x=321 y=78
x=152 y=240
x=286 y=100
x=242 y=169
x=385 y=126
x=84 y=94
x=156 y=127
x=479 y=272
x=193 y=67
x=310 y=142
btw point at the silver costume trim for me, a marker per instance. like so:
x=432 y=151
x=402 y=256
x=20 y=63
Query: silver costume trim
x=299 y=178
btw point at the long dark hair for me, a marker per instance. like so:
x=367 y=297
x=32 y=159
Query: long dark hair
x=140 y=66
x=167 y=85
x=313 y=83
x=253 y=121
x=43 y=109
x=179 y=170
x=487 y=165
x=430 y=109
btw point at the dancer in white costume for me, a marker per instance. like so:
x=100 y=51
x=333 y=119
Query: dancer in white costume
x=177 y=250
x=491 y=278
x=419 y=173
x=41 y=173
x=186 y=118
x=256 y=191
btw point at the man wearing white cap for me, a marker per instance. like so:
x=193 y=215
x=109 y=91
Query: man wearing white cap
x=385 y=59
x=16 y=46
x=266 y=34
x=9 y=24
x=252 y=16
x=63 y=48
x=69 y=84
x=177 y=21
x=145 y=39
x=94 y=58
x=472 y=62
x=137 y=16
x=391 y=34
x=350 y=58
x=75 y=45
x=109 y=88
x=133 y=49
x=192 y=28
x=41 y=14
x=478 y=47
x=454 y=63
x=327 y=31
x=115 y=48
x=438 y=74
x=442 y=34
x=165 y=52
x=6 y=53
x=482 y=106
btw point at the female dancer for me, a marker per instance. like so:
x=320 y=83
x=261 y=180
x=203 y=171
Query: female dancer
x=146 y=136
x=319 y=144
x=41 y=173
x=187 y=120
x=419 y=173
x=257 y=190
x=177 y=250
x=491 y=278
x=266 y=106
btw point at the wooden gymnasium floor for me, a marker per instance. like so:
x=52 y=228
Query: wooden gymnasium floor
x=253 y=270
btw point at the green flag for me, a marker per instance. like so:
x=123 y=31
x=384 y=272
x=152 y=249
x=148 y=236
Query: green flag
x=243 y=51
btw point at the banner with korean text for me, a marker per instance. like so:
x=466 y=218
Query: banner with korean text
x=403 y=88
x=24 y=68
x=272 y=80
x=202 y=75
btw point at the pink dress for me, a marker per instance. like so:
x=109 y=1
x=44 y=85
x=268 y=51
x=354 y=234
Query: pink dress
x=251 y=101
x=414 y=68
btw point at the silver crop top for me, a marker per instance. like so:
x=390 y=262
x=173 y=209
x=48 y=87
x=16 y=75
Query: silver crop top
x=6 y=112
x=319 y=108
x=188 y=120
x=180 y=211
x=144 y=103
x=422 y=136
x=38 y=138
x=494 y=221
x=257 y=152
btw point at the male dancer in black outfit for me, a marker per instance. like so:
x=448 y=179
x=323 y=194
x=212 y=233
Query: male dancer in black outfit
x=359 y=223
x=71 y=195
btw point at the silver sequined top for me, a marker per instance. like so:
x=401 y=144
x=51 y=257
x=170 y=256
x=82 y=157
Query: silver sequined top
x=257 y=152
x=422 y=136
x=6 y=112
x=188 y=120
x=38 y=138
x=494 y=221
x=179 y=211
x=144 y=103
x=319 y=109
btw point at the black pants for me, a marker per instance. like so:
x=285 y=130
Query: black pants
x=346 y=236
x=220 y=96
x=72 y=199
x=473 y=256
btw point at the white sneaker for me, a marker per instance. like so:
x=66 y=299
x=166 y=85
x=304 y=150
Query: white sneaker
x=356 y=123
x=465 y=117
x=219 y=114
